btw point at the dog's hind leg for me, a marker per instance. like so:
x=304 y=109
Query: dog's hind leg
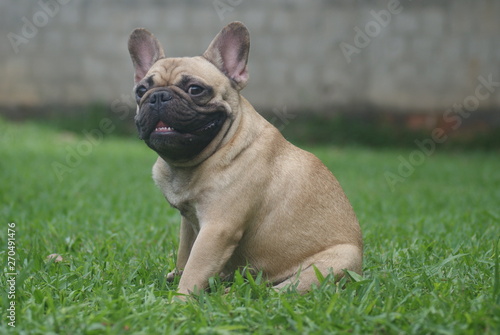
x=335 y=259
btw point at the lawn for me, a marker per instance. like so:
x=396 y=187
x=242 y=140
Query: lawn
x=431 y=264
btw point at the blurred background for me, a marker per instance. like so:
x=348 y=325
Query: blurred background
x=340 y=71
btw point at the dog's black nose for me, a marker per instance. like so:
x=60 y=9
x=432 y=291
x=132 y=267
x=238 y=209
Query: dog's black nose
x=157 y=99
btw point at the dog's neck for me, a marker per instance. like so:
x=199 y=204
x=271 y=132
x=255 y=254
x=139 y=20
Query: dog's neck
x=181 y=184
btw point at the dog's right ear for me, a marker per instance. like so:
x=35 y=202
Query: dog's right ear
x=144 y=50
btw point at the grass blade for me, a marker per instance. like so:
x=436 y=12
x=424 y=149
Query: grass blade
x=496 y=275
x=319 y=275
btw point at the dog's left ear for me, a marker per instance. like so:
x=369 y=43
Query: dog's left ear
x=144 y=50
x=229 y=52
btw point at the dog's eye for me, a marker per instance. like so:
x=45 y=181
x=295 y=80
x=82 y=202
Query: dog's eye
x=195 y=90
x=140 y=91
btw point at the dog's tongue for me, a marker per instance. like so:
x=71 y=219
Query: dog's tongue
x=161 y=124
x=162 y=127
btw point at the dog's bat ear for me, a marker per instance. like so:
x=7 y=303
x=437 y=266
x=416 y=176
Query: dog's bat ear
x=144 y=50
x=229 y=52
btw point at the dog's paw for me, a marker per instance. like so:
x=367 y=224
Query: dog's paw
x=171 y=275
x=180 y=298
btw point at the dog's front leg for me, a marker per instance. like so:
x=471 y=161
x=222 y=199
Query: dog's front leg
x=187 y=237
x=211 y=250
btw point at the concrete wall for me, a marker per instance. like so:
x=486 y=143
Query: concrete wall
x=305 y=55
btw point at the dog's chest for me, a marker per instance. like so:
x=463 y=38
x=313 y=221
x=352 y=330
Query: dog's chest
x=185 y=201
x=186 y=190
x=186 y=205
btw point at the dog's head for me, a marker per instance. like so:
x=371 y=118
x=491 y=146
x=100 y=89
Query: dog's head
x=187 y=105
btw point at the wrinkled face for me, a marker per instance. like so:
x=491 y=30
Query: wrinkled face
x=182 y=107
x=186 y=105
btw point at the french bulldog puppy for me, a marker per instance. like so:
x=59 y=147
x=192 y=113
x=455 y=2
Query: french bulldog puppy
x=247 y=196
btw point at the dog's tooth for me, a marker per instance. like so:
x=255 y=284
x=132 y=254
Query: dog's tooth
x=164 y=129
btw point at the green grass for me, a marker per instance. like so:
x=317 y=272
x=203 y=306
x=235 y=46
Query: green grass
x=431 y=247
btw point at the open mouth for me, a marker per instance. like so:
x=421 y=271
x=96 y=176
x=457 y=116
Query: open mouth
x=163 y=128
x=177 y=138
